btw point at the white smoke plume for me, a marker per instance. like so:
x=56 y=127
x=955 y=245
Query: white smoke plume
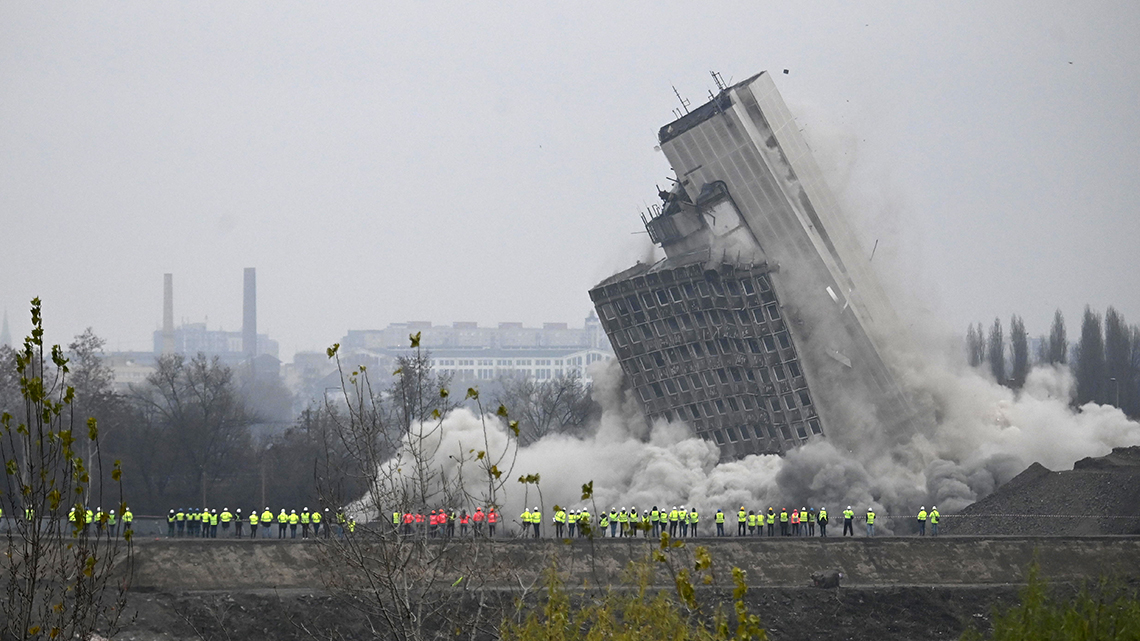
x=984 y=435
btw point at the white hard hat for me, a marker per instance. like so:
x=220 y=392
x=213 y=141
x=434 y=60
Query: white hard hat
x=849 y=507
x=922 y=508
x=535 y=507
x=934 y=507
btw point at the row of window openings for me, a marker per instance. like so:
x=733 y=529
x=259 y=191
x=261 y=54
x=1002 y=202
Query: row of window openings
x=488 y=374
x=727 y=345
x=714 y=317
x=724 y=375
x=801 y=432
x=702 y=288
x=723 y=406
x=506 y=363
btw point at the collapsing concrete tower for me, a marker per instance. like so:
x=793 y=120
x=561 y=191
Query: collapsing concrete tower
x=764 y=325
x=249 y=314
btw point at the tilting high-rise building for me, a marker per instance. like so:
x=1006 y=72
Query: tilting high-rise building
x=764 y=325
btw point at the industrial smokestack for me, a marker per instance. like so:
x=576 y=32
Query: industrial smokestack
x=249 y=314
x=168 y=313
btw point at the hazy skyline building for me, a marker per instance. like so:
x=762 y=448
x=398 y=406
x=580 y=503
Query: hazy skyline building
x=764 y=325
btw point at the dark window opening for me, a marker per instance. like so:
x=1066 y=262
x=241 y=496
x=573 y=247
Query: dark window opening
x=786 y=432
x=695 y=380
x=658 y=359
x=725 y=346
x=732 y=405
x=732 y=434
x=750 y=374
x=753 y=346
x=814 y=425
x=745 y=433
x=698 y=350
x=749 y=403
x=686 y=322
x=769 y=344
x=748 y=289
x=684 y=351
x=780 y=374
x=773 y=312
x=732 y=287
x=657 y=390
x=633 y=304
x=647 y=299
x=689 y=291
x=805 y=400
x=784 y=342
x=765 y=377
x=763 y=282
x=671 y=388
x=675 y=294
x=717 y=288
x=735 y=371
x=709 y=380
x=719 y=436
x=774 y=403
x=661 y=298
x=722 y=375
x=704 y=291
x=743 y=316
x=695 y=411
x=620 y=305
x=720 y=406
x=683 y=383
x=672 y=322
x=800 y=430
x=711 y=347
x=668 y=416
x=672 y=355
x=608 y=311
x=646 y=332
x=789 y=401
x=700 y=319
x=758 y=315
x=794 y=368
x=714 y=317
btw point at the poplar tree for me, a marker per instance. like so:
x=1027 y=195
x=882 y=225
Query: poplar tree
x=1117 y=359
x=1090 y=360
x=1019 y=343
x=995 y=352
x=1057 y=352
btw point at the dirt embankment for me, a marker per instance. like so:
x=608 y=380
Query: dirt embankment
x=1098 y=496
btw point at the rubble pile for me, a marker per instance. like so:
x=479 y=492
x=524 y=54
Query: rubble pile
x=1098 y=496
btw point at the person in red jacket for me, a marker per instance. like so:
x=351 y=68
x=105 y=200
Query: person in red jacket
x=409 y=518
x=492 y=519
x=463 y=520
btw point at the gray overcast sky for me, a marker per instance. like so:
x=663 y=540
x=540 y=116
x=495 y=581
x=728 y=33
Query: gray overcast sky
x=382 y=162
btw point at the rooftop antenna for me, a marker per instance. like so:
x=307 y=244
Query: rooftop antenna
x=719 y=80
x=684 y=103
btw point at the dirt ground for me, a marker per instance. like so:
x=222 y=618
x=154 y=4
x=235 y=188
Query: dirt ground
x=882 y=614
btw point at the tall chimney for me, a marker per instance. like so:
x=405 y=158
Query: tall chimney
x=249 y=314
x=168 y=313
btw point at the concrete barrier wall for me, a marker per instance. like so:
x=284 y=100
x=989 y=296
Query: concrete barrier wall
x=218 y=564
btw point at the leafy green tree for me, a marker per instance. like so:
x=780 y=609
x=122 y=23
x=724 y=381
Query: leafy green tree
x=1019 y=345
x=61 y=568
x=1090 y=360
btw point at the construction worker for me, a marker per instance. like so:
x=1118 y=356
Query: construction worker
x=694 y=518
x=170 y=518
x=536 y=521
x=559 y=521
x=112 y=524
x=719 y=522
x=214 y=524
x=451 y=516
x=741 y=522
x=811 y=522
x=634 y=521
x=644 y=524
x=604 y=522
x=100 y=519
x=128 y=521
x=674 y=521
x=477 y=520
x=315 y=518
x=89 y=518
x=922 y=521
x=934 y=516
x=239 y=521
x=823 y=522
x=751 y=523
x=571 y=523
x=294 y=520
x=267 y=521
x=305 y=522
x=180 y=520
x=870 y=521
x=282 y=523
x=327 y=522
x=253 y=519
x=771 y=522
x=795 y=522
x=584 y=523
x=225 y=517
x=848 y=522
x=783 y=521
x=655 y=521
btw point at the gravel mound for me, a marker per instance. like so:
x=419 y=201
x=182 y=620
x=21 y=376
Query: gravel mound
x=1098 y=496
